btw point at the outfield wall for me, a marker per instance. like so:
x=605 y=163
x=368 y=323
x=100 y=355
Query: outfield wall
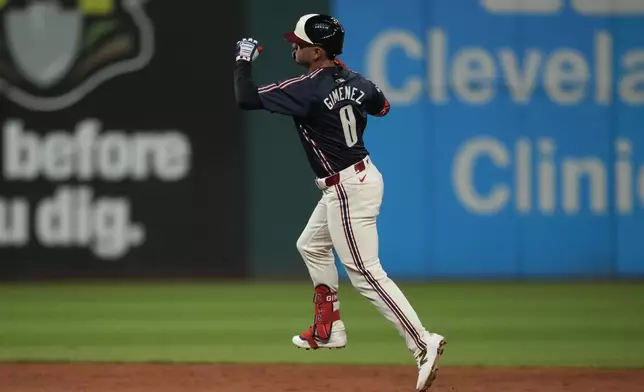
x=121 y=146
x=514 y=148
x=515 y=143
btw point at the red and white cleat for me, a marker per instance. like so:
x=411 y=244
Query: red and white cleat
x=328 y=330
x=310 y=340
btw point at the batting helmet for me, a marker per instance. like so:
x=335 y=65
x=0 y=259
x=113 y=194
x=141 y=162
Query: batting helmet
x=318 y=30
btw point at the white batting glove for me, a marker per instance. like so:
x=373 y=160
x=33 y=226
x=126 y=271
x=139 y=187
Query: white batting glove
x=247 y=49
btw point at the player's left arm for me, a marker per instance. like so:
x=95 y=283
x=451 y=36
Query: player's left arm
x=290 y=97
x=246 y=93
x=377 y=105
x=245 y=89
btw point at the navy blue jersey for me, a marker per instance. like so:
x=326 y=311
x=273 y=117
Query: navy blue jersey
x=329 y=107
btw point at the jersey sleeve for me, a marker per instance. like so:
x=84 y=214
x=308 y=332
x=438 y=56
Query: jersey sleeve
x=378 y=105
x=292 y=97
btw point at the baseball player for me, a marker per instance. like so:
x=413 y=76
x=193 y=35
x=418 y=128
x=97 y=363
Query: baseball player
x=330 y=105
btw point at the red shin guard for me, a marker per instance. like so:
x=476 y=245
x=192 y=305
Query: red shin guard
x=326 y=312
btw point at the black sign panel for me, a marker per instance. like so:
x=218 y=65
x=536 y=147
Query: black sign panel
x=121 y=148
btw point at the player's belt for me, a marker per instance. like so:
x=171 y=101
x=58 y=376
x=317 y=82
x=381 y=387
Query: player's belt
x=340 y=176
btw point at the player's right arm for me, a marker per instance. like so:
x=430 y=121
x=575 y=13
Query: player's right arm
x=377 y=105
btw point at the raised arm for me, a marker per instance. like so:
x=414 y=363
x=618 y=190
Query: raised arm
x=246 y=93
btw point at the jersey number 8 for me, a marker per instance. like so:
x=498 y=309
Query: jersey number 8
x=348 y=118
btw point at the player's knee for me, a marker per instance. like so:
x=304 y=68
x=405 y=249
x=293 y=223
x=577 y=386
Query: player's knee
x=309 y=251
x=302 y=245
x=377 y=272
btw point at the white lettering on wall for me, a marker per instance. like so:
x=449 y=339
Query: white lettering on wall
x=545 y=181
x=74 y=215
x=477 y=75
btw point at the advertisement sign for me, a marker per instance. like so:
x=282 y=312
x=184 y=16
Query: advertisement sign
x=112 y=142
x=514 y=146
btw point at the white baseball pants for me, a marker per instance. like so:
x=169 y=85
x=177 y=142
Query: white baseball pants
x=345 y=219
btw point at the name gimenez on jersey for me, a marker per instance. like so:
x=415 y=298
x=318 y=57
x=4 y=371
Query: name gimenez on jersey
x=344 y=93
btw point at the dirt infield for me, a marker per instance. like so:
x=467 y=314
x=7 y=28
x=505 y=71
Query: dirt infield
x=292 y=378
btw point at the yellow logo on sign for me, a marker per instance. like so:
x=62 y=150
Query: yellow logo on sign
x=95 y=7
x=54 y=52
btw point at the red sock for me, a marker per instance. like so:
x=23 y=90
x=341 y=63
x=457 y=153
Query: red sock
x=324 y=301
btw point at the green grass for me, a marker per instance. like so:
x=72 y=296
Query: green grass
x=485 y=324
